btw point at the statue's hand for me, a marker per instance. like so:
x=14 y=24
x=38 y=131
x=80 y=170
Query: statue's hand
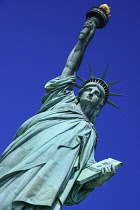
x=88 y=24
x=106 y=173
x=88 y=31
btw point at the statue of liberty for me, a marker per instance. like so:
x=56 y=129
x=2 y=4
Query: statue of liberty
x=40 y=167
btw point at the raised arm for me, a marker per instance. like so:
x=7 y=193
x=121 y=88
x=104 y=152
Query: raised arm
x=75 y=58
x=97 y=17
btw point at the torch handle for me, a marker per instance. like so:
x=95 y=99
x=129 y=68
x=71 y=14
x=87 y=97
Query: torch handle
x=86 y=29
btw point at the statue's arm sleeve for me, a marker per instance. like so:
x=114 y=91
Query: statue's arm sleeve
x=80 y=191
x=58 y=90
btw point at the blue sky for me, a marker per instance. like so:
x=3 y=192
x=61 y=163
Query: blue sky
x=36 y=36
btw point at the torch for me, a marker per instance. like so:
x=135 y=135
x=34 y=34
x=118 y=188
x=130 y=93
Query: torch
x=98 y=16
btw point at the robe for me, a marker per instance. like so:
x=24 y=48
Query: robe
x=40 y=167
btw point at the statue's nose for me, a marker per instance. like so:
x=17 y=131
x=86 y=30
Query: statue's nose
x=91 y=93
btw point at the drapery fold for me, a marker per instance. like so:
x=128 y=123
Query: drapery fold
x=40 y=167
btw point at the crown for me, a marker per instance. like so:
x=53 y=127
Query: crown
x=99 y=81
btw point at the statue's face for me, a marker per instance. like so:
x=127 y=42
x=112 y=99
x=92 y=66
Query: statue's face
x=92 y=96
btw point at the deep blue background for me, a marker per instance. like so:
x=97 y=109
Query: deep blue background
x=36 y=37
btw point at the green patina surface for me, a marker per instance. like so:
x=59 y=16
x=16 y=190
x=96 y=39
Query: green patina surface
x=39 y=170
x=49 y=151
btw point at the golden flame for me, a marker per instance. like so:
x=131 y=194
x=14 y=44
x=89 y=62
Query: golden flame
x=106 y=8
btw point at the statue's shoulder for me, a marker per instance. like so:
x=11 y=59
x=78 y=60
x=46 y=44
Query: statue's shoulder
x=59 y=83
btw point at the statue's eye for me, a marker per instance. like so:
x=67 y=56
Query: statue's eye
x=97 y=93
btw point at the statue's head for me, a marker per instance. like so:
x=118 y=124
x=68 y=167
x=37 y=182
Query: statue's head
x=95 y=92
x=93 y=95
x=97 y=86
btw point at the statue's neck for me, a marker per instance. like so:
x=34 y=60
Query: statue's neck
x=87 y=110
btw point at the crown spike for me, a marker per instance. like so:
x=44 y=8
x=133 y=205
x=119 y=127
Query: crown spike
x=115 y=94
x=78 y=86
x=81 y=79
x=91 y=72
x=113 y=83
x=104 y=73
x=112 y=104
